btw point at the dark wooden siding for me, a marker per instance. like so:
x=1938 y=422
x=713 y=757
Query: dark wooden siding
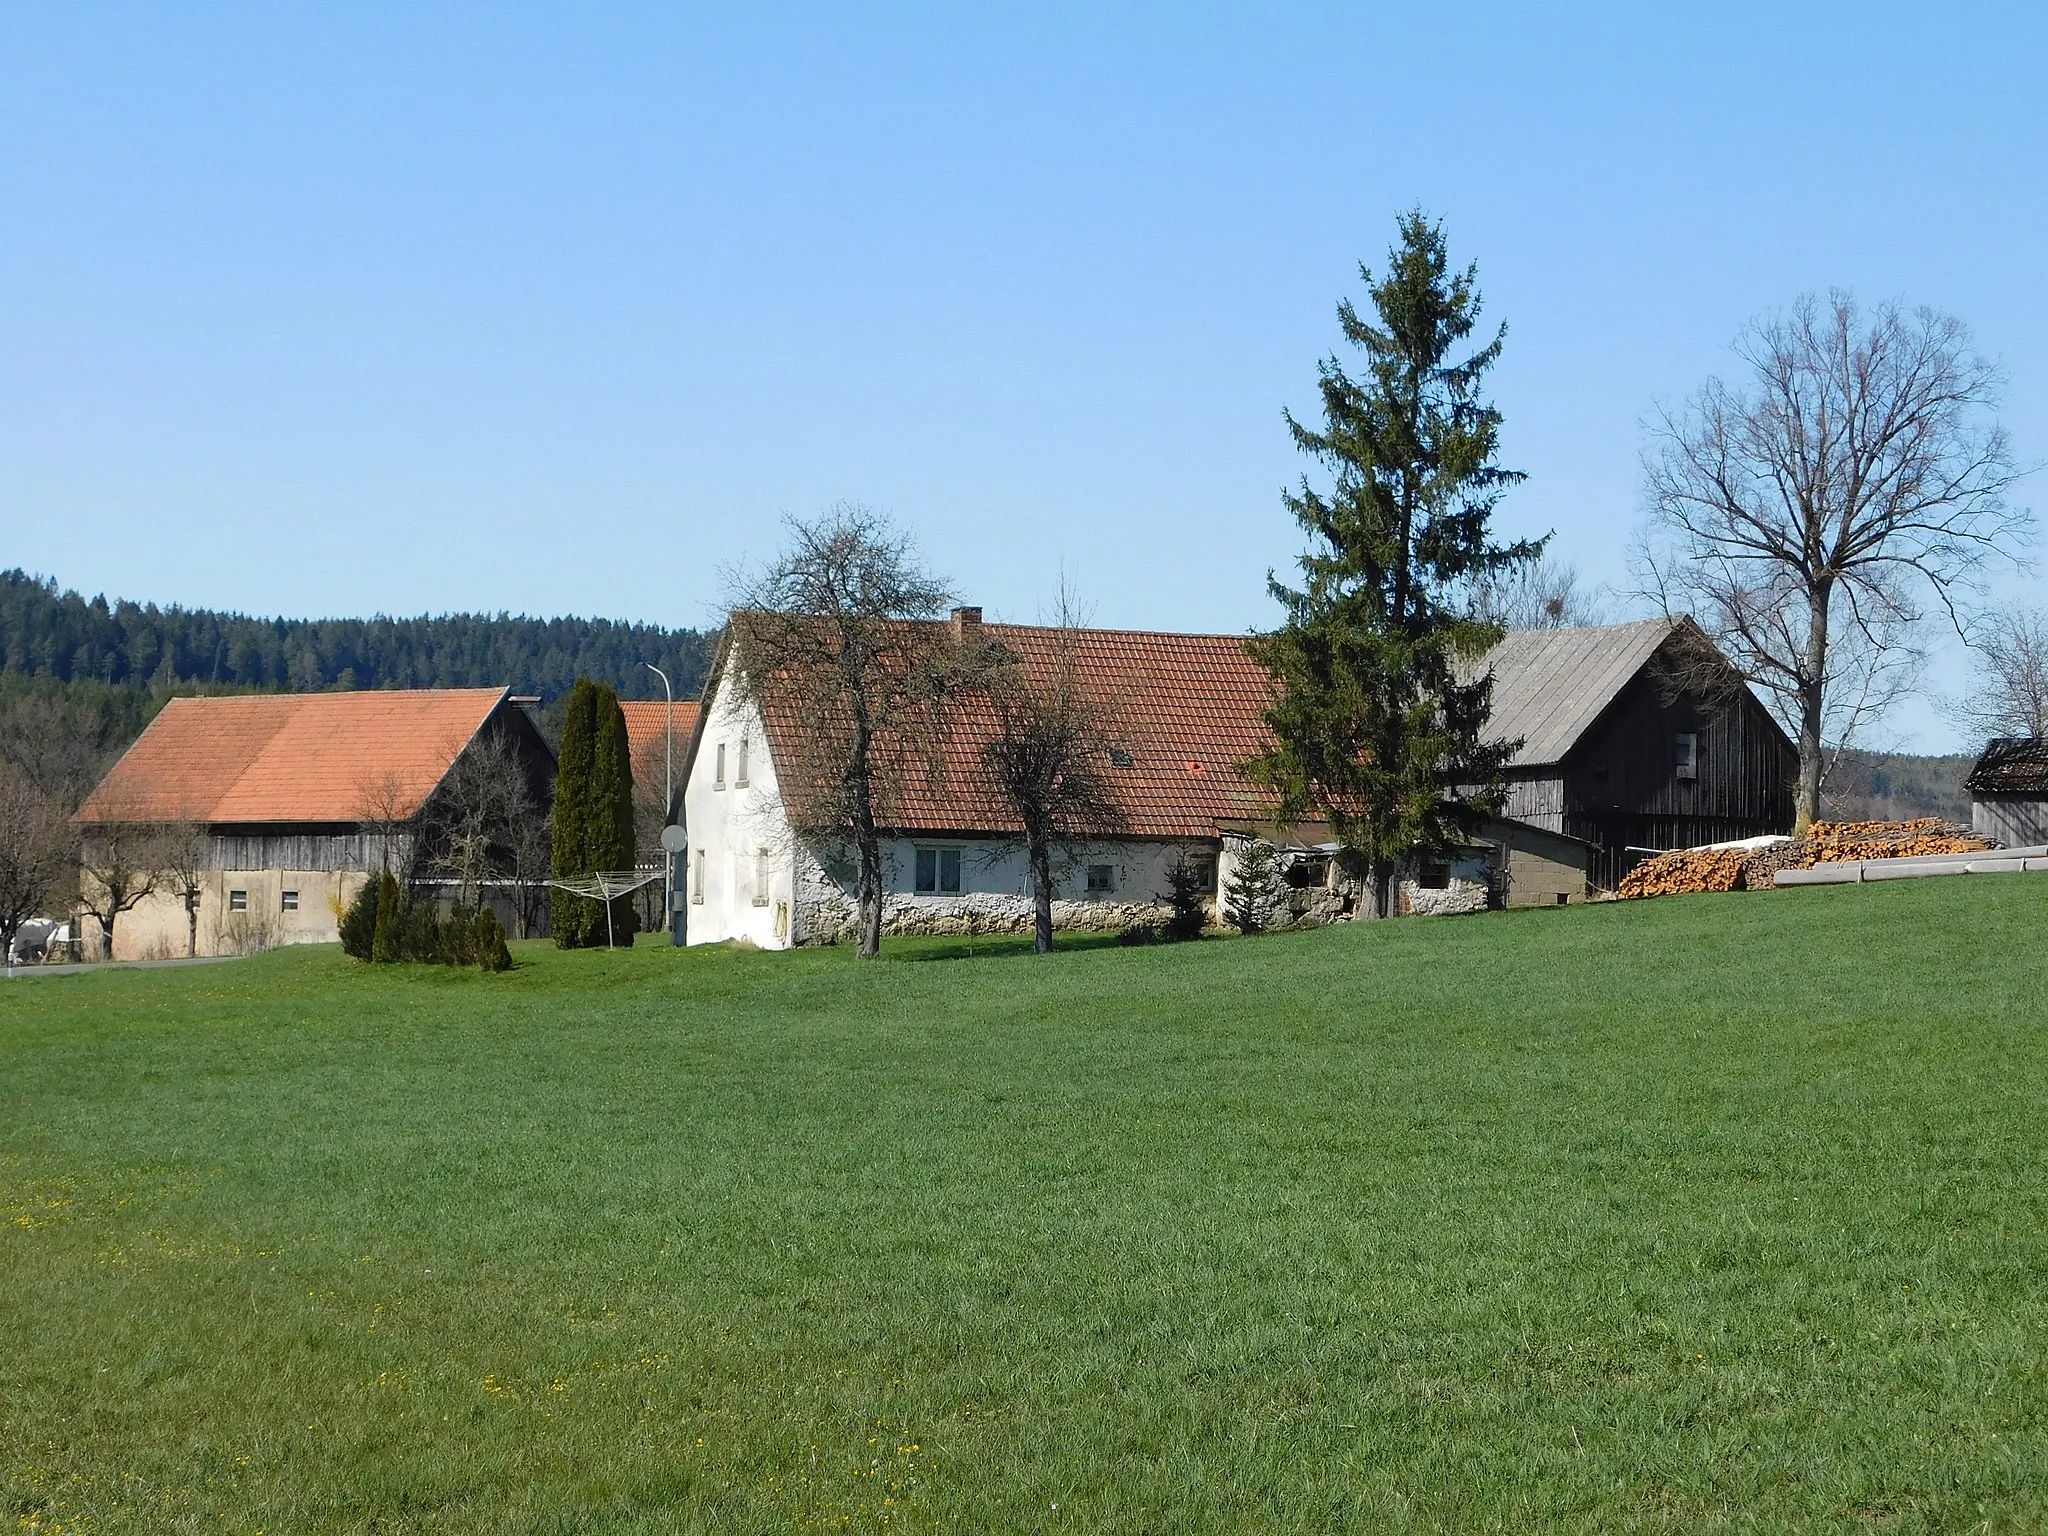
x=1621 y=784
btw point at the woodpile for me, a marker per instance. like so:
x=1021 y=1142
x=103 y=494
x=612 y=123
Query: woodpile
x=1686 y=871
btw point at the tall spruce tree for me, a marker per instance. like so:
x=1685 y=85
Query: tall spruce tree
x=1379 y=719
x=573 y=918
x=608 y=815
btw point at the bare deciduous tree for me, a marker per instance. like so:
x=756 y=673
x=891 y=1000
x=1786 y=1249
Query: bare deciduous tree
x=1801 y=516
x=1536 y=594
x=385 y=810
x=485 y=814
x=184 y=859
x=2011 y=696
x=1050 y=756
x=836 y=632
x=37 y=852
x=119 y=867
x=61 y=748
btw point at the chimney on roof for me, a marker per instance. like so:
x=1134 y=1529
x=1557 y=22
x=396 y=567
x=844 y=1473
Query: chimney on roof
x=966 y=625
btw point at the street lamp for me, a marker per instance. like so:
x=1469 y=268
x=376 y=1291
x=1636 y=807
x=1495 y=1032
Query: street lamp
x=668 y=804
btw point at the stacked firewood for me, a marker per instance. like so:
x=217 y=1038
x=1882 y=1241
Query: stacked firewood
x=1834 y=842
x=1687 y=870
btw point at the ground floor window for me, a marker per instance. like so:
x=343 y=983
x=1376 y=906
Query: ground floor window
x=238 y=901
x=290 y=901
x=1434 y=875
x=1101 y=879
x=697 y=881
x=761 y=877
x=938 y=871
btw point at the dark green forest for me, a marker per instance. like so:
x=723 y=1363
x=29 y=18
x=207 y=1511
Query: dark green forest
x=62 y=635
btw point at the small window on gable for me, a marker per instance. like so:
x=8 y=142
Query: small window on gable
x=1685 y=755
x=938 y=871
x=739 y=779
x=1434 y=875
x=238 y=901
x=289 y=901
x=760 y=857
x=1101 y=879
x=718 y=771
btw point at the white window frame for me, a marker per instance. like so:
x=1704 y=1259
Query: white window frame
x=718 y=773
x=762 y=875
x=238 y=901
x=287 y=901
x=739 y=779
x=1108 y=886
x=697 y=885
x=940 y=855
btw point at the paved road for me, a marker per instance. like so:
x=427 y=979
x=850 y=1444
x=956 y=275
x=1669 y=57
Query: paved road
x=112 y=965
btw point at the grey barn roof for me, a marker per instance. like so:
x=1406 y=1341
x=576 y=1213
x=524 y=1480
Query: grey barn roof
x=1550 y=685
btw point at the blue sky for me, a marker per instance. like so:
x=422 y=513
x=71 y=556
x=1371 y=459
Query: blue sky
x=343 y=309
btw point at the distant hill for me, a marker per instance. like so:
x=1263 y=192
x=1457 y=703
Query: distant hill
x=1895 y=786
x=61 y=635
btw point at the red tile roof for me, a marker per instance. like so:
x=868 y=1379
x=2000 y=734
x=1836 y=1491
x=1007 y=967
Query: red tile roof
x=647 y=729
x=295 y=757
x=1185 y=708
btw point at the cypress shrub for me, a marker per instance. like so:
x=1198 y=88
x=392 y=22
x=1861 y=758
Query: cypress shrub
x=387 y=936
x=359 y=921
x=487 y=942
x=570 y=918
x=609 y=820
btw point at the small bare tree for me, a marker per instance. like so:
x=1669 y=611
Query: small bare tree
x=385 y=811
x=1050 y=755
x=2011 y=696
x=836 y=634
x=483 y=812
x=37 y=852
x=1801 y=517
x=184 y=859
x=120 y=867
x=1536 y=594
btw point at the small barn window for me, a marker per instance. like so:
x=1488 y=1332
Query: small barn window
x=739 y=779
x=1101 y=879
x=1685 y=755
x=938 y=871
x=760 y=866
x=289 y=901
x=1434 y=875
x=718 y=773
x=238 y=901
x=697 y=881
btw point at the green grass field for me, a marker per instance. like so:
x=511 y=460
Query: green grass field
x=1706 y=1213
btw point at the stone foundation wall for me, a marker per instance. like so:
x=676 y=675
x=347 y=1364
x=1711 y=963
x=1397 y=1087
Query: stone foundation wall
x=828 y=916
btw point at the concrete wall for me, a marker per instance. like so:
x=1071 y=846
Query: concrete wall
x=1543 y=870
x=156 y=929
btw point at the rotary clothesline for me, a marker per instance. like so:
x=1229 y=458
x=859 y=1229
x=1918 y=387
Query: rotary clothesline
x=607 y=886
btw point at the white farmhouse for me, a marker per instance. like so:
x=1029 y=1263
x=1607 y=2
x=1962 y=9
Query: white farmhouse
x=1188 y=711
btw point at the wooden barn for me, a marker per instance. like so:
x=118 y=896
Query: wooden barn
x=289 y=802
x=2009 y=792
x=1637 y=737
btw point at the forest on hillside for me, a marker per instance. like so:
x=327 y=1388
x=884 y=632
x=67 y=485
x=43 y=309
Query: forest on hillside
x=61 y=635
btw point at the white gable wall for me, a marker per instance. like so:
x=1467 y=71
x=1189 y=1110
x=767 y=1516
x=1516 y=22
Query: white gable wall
x=736 y=874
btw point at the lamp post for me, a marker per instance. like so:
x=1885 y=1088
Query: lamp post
x=668 y=805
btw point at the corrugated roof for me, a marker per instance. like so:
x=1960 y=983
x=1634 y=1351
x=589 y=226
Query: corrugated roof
x=296 y=757
x=1550 y=685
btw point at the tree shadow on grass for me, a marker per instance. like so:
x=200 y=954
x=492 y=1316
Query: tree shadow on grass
x=991 y=946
